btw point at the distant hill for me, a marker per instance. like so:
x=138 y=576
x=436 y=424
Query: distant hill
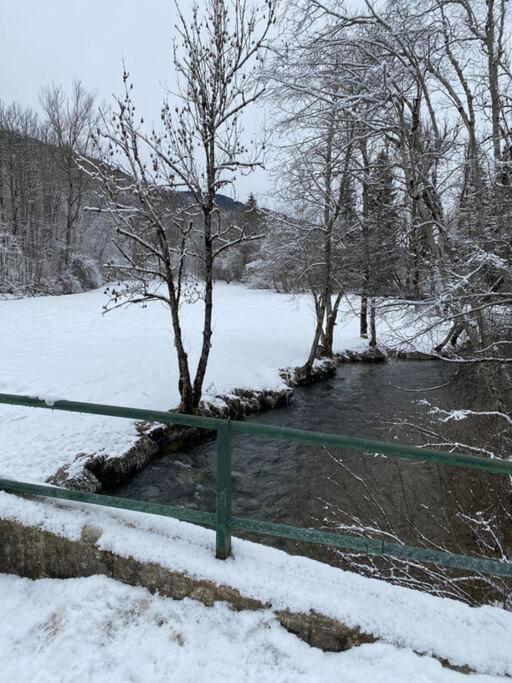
x=222 y=200
x=39 y=252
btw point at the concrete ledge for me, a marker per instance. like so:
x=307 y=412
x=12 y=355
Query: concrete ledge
x=35 y=553
x=326 y=607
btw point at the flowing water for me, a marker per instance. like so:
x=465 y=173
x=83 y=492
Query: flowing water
x=293 y=483
x=414 y=502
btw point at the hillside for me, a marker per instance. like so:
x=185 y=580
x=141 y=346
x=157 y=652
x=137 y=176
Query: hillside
x=51 y=242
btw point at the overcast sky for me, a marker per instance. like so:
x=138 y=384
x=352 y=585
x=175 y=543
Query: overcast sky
x=44 y=41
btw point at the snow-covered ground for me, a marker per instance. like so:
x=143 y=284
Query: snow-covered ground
x=98 y=630
x=404 y=621
x=63 y=347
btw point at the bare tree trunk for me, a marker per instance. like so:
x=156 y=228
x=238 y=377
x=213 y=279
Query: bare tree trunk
x=69 y=225
x=373 y=329
x=363 y=316
x=329 y=326
x=314 y=346
x=325 y=306
x=208 y=305
x=184 y=382
x=494 y=49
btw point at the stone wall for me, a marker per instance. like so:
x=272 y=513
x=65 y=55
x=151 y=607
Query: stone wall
x=35 y=553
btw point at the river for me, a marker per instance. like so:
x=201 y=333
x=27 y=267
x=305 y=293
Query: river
x=310 y=486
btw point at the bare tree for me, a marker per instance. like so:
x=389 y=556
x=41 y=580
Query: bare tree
x=315 y=182
x=70 y=121
x=199 y=150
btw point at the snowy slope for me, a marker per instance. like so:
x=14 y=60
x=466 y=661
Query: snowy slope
x=63 y=347
x=399 y=617
x=98 y=630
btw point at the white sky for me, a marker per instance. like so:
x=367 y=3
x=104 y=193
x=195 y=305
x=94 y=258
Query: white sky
x=44 y=41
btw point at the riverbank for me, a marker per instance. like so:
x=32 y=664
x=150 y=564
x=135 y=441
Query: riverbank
x=63 y=347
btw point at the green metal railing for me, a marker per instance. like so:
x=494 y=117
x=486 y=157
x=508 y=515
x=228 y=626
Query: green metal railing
x=224 y=522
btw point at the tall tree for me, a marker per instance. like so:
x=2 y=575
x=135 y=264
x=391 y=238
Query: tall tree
x=199 y=149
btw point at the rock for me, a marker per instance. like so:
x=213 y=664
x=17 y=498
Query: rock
x=83 y=480
x=320 y=631
x=366 y=356
x=413 y=355
x=92 y=473
x=112 y=472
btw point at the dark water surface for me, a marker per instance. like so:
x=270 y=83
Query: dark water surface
x=366 y=494
x=309 y=486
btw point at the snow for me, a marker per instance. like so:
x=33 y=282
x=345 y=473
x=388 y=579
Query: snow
x=97 y=629
x=400 y=617
x=62 y=346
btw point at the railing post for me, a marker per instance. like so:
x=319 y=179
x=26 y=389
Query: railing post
x=223 y=511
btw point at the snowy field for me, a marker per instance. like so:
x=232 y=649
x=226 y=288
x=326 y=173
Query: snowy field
x=98 y=630
x=63 y=347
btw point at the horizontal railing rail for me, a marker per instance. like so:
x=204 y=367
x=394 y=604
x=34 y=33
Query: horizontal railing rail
x=224 y=522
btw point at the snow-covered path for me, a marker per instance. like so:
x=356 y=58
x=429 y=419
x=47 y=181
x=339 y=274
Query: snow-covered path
x=96 y=629
x=63 y=347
